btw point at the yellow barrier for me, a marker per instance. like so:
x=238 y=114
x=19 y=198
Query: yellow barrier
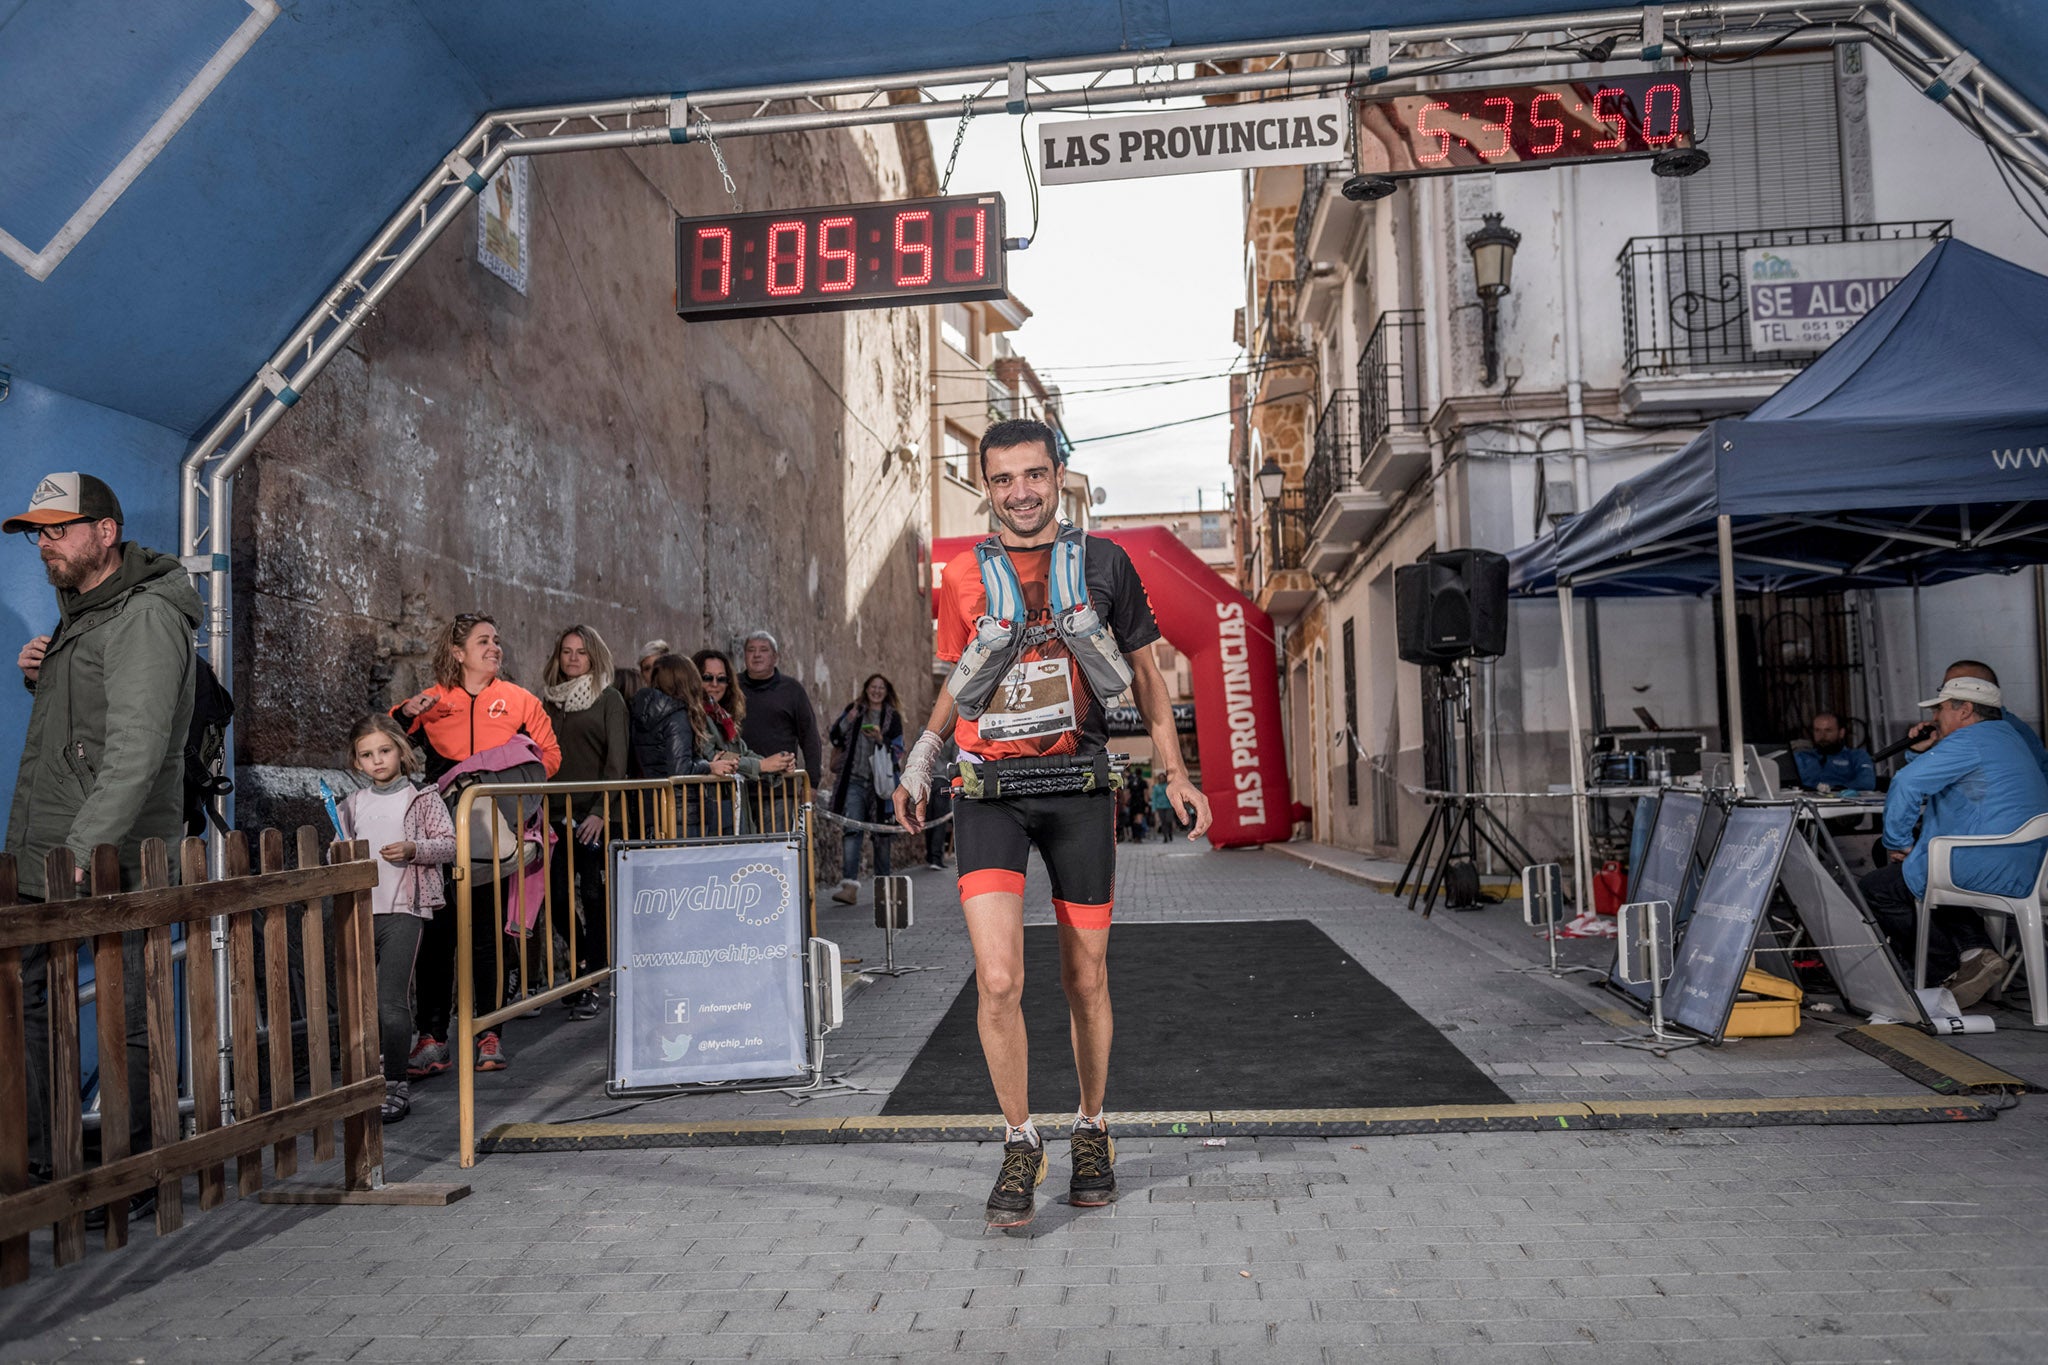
x=665 y=809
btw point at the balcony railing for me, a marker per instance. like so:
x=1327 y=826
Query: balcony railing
x=1269 y=555
x=1002 y=399
x=1390 y=377
x=1314 y=180
x=1334 y=465
x=1684 y=304
x=1279 y=337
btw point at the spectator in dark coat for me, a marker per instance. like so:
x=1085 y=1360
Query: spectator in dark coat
x=590 y=724
x=780 y=719
x=870 y=728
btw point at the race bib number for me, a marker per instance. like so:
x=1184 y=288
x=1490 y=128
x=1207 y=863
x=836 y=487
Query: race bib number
x=1036 y=699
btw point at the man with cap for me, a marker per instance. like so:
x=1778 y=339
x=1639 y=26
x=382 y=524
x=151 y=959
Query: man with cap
x=104 y=759
x=1979 y=777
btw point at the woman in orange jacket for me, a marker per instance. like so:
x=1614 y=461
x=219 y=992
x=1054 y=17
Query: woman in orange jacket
x=469 y=710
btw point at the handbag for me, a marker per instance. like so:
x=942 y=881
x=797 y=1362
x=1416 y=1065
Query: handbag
x=882 y=772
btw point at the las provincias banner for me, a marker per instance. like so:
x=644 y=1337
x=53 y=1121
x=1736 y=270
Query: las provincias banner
x=1183 y=141
x=1235 y=664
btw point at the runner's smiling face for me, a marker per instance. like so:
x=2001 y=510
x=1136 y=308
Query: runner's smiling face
x=1023 y=490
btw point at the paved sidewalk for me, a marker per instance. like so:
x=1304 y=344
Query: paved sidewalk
x=1921 y=1243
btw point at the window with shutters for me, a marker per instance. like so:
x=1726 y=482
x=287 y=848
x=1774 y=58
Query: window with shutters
x=1775 y=138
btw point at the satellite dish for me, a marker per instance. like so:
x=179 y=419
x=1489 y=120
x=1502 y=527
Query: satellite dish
x=1100 y=496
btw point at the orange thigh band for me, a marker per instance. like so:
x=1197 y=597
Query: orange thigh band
x=990 y=881
x=1082 y=916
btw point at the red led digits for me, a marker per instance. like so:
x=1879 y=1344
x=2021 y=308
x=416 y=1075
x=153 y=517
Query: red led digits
x=835 y=258
x=1618 y=120
x=713 y=257
x=907 y=277
x=1555 y=125
x=970 y=246
x=1504 y=128
x=1670 y=133
x=791 y=260
x=1443 y=137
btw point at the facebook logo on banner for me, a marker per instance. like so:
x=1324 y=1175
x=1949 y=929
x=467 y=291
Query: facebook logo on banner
x=675 y=1009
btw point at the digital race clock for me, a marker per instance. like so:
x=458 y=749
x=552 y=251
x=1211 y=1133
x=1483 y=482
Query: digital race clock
x=1518 y=127
x=751 y=265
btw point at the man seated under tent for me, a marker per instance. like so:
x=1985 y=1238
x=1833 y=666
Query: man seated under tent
x=1924 y=735
x=1833 y=764
x=1977 y=777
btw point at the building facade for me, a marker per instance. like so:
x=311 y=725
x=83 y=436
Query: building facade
x=1624 y=332
x=562 y=450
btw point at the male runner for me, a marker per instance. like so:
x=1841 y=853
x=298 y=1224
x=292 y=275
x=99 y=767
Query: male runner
x=1034 y=719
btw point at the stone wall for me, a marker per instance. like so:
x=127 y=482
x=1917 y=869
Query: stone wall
x=577 y=454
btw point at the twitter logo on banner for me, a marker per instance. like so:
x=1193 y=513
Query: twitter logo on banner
x=675 y=1049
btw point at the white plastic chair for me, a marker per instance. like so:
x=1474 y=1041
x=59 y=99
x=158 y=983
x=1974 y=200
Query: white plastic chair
x=2025 y=910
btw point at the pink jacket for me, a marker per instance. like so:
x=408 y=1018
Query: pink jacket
x=429 y=828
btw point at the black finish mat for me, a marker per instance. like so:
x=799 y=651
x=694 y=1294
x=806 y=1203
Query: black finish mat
x=1240 y=1014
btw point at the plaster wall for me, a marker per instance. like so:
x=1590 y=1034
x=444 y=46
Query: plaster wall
x=577 y=454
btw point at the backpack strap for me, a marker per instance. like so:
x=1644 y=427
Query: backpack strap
x=1067 y=572
x=999 y=581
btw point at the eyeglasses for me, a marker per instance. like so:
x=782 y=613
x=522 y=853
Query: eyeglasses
x=36 y=535
x=713 y=677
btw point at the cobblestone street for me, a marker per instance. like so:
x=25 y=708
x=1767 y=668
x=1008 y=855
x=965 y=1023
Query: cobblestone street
x=1921 y=1242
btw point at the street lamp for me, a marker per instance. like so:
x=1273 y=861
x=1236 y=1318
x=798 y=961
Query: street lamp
x=1272 y=479
x=1493 y=268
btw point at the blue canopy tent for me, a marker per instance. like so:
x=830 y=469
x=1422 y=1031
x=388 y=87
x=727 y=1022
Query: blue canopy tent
x=1913 y=451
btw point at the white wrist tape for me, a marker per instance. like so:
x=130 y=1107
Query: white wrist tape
x=921 y=766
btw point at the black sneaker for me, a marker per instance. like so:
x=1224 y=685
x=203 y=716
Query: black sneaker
x=1092 y=1153
x=1014 y=1199
x=582 y=1005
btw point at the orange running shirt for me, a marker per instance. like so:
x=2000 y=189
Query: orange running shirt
x=1044 y=707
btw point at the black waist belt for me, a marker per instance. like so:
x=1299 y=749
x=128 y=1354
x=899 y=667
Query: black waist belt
x=1058 y=776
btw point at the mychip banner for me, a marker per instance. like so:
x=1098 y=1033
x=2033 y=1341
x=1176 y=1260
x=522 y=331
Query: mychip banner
x=1183 y=141
x=709 y=942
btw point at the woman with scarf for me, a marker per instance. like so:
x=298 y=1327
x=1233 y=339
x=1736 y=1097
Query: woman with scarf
x=589 y=716
x=725 y=709
x=868 y=738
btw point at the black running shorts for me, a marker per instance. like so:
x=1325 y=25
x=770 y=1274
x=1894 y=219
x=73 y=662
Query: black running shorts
x=1074 y=834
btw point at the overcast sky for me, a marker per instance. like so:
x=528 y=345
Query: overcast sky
x=1129 y=282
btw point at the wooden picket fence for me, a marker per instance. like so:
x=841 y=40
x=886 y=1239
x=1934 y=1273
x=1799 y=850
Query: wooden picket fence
x=266 y=902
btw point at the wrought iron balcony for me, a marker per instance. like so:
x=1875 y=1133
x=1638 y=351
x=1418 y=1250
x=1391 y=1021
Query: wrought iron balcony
x=1314 y=181
x=1334 y=466
x=1390 y=377
x=1684 y=301
x=1279 y=337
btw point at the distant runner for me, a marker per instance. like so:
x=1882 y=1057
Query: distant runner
x=1044 y=626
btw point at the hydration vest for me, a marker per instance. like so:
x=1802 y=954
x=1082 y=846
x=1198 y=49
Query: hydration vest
x=998 y=637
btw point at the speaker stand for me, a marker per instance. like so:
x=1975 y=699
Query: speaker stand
x=1458 y=821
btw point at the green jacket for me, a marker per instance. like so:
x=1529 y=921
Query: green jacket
x=104 y=762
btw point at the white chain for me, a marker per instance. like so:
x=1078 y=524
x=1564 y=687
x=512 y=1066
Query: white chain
x=959 y=136
x=724 y=171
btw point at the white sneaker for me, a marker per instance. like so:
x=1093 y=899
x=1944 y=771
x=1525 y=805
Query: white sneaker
x=848 y=893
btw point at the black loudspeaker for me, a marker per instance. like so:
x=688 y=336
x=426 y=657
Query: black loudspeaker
x=1452 y=605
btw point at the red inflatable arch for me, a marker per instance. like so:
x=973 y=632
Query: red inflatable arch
x=1233 y=655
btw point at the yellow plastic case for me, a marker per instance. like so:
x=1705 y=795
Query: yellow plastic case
x=1776 y=1015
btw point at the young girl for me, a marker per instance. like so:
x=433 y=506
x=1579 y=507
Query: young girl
x=411 y=836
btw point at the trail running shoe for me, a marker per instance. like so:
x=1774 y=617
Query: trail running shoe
x=490 y=1054
x=429 y=1058
x=1014 y=1199
x=1092 y=1153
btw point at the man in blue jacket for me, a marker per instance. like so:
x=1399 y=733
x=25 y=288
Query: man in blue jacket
x=1979 y=777
x=1833 y=764
x=1924 y=733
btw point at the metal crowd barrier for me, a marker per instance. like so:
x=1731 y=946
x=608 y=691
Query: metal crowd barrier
x=278 y=898
x=666 y=809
